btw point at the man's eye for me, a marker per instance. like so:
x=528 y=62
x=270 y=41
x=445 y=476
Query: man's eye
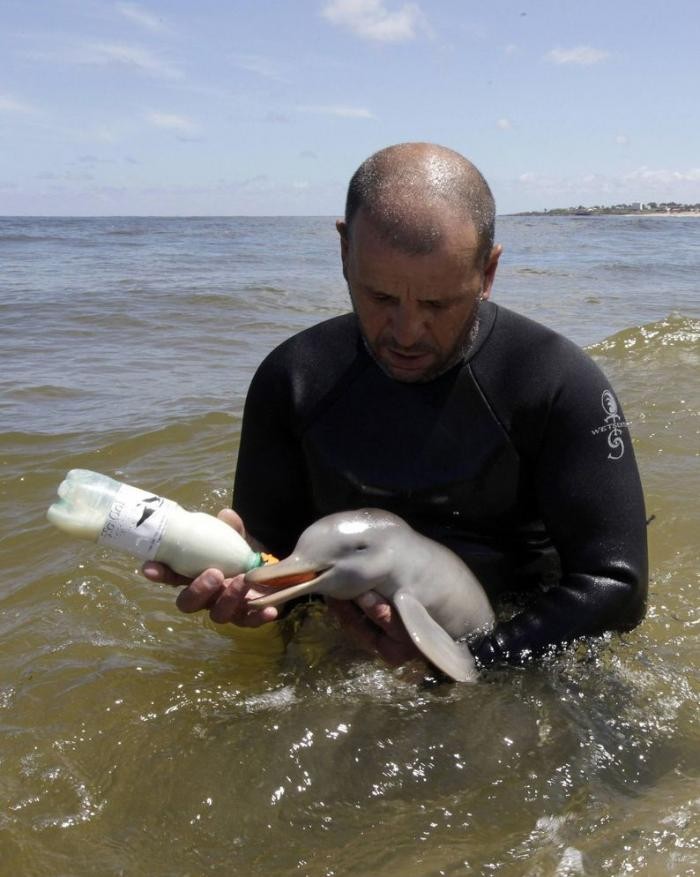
x=434 y=305
x=381 y=298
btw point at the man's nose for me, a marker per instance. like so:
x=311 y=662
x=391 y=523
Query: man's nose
x=407 y=325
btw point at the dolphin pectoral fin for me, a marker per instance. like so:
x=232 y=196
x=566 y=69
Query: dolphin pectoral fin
x=453 y=658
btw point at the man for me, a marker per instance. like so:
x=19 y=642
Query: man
x=483 y=429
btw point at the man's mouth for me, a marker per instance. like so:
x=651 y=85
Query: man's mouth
x=407 y=361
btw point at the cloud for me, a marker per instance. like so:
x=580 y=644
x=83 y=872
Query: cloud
x=258 y=64
x=103 y=54
x=134 y=56
x=276 y=118
x=141 y=16
x=258 y=183
x=642 y=184
x=172 y=122
x=104 y=134
x=550 y=183
x=532 y=179
x=68 y=176
x=93 y=159
x=12 y=105
x=504 y=124
x=371 y=20
x=582 y=55
x=662 y=177
x=343 y=112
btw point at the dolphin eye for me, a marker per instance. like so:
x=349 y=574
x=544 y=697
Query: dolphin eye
x=361 y=546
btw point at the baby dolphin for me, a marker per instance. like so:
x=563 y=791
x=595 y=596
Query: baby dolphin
x=348 y=553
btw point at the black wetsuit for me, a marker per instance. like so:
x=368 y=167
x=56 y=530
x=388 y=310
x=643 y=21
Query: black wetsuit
x=516 y=457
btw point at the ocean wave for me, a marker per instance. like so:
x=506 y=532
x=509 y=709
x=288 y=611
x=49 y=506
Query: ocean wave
x=547 y=272
x=32 y=238
x=118 y=443
x=113 y=320
x=676 y=330
x=44 y=391
x=126 y=232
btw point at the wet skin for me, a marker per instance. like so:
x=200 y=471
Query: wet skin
x=416 y=312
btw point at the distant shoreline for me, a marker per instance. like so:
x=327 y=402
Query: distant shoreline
x=662 y=211
x=661 y=215
x=682 y=214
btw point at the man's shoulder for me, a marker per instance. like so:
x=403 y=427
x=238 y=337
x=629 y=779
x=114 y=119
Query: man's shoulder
x=313 y=356
x=526 y=369
x=515 y=338
x=523 y=328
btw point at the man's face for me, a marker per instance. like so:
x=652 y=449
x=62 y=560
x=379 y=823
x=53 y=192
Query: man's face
x=416 y=312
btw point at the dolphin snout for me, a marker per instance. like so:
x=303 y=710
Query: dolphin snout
x=290 y=578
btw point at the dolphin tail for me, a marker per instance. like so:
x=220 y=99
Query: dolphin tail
x=453 y=658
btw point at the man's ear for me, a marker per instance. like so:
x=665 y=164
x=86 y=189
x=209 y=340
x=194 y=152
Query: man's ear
x=342 y=228
x=490 y=271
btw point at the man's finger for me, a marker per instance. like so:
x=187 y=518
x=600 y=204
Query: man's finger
x=230 y=604
x=258 y=617
x=383 y=614
x=233 y=519
x=374 y=626
x=202 y=592
x=159 y=572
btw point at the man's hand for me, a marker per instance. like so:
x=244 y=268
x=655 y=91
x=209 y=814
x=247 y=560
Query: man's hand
x=225 y=598
x=375 y=626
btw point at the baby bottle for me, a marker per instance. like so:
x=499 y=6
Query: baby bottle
x=149 y=527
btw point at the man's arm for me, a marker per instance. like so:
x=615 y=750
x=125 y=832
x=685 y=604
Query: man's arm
x=590 y=499
x=271 y=490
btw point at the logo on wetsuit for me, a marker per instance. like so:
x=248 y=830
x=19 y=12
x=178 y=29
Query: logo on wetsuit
x=613 y=425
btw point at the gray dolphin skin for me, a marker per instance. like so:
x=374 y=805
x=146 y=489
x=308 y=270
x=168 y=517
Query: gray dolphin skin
x=349 y=553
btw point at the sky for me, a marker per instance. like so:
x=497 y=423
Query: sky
x=266 y=107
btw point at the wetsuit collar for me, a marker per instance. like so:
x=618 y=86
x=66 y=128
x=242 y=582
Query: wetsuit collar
x=487 y=318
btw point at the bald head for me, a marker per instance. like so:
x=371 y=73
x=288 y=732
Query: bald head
x=412 y=190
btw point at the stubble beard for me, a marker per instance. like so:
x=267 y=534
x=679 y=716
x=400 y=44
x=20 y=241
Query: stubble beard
x=459 y=353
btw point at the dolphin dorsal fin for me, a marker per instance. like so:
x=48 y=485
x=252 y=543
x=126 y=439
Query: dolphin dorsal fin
x=453 y=658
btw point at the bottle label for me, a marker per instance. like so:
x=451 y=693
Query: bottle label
x=136 y=522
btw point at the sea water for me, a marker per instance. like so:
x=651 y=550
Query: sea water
x=140 y=741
